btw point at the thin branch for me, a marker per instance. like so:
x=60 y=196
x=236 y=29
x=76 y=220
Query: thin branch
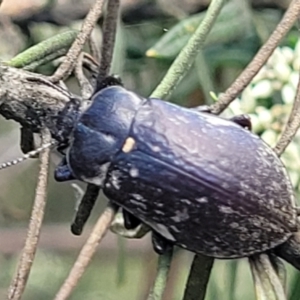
x=279 y=267
x=109 y=36
x=292 y=125
x=164 y=262
x=18 y=284
x=45 y=51
x=86 y=253
x=66 y=68
x=273 y=276
x=260 y=58
x=262 y=285
x=186 y=57
x=266 y=280
x=94 y=48
x=198 y=278
x=85 y=86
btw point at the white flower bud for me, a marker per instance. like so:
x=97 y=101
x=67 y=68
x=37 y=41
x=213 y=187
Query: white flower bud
x=288 y=93
x=262 y=89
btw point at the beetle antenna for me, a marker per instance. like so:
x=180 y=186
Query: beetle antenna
x=27 y=155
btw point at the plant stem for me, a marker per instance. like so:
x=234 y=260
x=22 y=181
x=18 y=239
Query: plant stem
x=186 y=57
x=164 y=262
x=44 y=49
x=198 y=278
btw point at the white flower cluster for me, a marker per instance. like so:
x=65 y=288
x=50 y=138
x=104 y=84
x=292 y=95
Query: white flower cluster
x=268 y=101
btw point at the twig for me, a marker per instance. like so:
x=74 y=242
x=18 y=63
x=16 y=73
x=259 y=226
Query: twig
x=292 y=125
x=263 y=289
x=85 y=86
x=66 y=68
x=260 y=58
x=186 y=57
x=18 y=284
x=279 y=267
x=95 y=50
x=273 y=276
x=267 y=282
x=52 y=47
x=109 y=35
x=164 y=262
x=198 y=278
x=86 y=253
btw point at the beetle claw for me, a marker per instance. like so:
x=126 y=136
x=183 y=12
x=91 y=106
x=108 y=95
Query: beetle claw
x=130 y=221
x=160 y=244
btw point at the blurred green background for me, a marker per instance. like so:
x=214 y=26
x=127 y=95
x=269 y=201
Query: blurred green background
x=125 y=269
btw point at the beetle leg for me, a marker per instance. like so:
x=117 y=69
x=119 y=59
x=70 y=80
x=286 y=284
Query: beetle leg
x=63 y=172
x=242 y=120
x=130 y=221
x=160 y=244
x=27 y=140
x=84 y=209
x=290 y=250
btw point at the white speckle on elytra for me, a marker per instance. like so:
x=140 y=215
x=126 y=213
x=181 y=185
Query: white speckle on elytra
x=225 y=209
x=163 y=230
x=243 y=237
x=138 y=197
x=234 y=225
x=202 y=200
x=180 y=215
x=115 y=179
x=134 y=172
x=243 y=229
x=159 y=212
x=255 y=235
x=156 y=149
x=174 y=228
x=139 y=204
x=186 y=201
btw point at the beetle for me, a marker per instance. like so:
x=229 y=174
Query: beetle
x=199 y=181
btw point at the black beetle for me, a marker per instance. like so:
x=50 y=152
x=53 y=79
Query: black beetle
x=197 y=180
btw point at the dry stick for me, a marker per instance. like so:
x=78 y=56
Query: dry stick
x=18 y=284
x=273 y=276
x=292 y=125
x=163 y=267
x=85 y=86
x=109 y=34
x=263 y=288
x=66 y=68
x=95 y=50
x=268 y=285
x=198 y=278
x=260 y=58
x=86 y=253
x=187 y=55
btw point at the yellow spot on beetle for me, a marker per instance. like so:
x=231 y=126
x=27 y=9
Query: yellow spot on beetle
x=128 y=145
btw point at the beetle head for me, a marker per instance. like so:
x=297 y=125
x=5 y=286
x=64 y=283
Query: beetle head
x=101 y=132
